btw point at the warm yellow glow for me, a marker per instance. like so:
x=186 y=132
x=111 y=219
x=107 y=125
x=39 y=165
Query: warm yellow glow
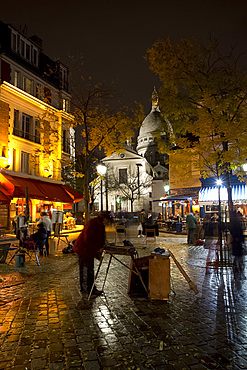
x=33 y=100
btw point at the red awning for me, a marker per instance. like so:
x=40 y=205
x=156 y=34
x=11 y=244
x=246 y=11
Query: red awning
x=15 y=186
x=4 y=196
x=54 y=192
x=73 y=193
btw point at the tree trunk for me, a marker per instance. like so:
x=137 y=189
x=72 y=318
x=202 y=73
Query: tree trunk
x=229 y=193
x=85 y=195
x=131 y=204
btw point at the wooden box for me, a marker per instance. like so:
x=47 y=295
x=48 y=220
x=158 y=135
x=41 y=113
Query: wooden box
x=159 y=277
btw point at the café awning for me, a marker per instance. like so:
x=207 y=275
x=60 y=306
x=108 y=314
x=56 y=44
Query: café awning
x=15 y=187
x=210 y=195
x=73 y=193
x=170 y=198
x=4 y=196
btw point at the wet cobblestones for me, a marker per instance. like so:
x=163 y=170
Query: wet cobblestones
x=45 y=323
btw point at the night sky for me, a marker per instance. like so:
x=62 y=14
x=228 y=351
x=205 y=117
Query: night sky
x=113 y=35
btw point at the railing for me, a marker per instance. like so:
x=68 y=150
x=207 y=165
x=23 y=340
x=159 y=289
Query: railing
x=26 y=135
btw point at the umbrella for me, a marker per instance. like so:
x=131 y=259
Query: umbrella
x=27 y=212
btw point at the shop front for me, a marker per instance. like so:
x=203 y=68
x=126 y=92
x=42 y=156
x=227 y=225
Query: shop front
x=40 y=195
x=213 y=194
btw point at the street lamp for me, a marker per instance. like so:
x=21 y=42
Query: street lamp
x=101 y=169
x=219 y=183
x=138 y=177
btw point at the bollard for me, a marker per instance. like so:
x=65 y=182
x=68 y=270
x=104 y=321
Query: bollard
x=20 y=260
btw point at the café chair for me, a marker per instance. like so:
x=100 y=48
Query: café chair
x=150 y=235
x=120 y=231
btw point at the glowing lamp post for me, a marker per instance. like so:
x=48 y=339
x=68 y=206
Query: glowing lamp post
x=219 y=183
x=101 y=169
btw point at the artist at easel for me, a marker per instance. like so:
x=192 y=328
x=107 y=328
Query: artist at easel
x=89 y=245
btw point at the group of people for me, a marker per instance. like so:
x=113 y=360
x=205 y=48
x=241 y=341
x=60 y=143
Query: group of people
x=91 y=241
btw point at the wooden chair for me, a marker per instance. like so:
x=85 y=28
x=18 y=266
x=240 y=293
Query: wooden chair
x=120 y=231
x=150 y=233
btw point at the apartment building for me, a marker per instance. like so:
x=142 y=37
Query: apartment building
x=36 y=127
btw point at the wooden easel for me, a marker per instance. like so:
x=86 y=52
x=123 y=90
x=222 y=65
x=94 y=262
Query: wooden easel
x=124 y=251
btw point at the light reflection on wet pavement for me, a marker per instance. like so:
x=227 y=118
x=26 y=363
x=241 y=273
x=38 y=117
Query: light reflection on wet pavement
x=46 y=324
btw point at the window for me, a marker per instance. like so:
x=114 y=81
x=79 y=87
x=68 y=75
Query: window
x=17 y=79
x=14 y=41
x=35 y=56
x=66 y=146
x=26 y=123
x=25 y=162
x=63 y=78
x=65 y=105
x=16 y=119
x=123 y=176
x=27 y=85
x=28 y=51
x=5 y=71
x=47 y=95
x=37 y=165
x=38 y=91
x=22 y=48
x=37 y=131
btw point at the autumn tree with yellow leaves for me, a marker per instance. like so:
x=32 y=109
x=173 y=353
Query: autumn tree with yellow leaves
x=101 y=128
x=204 y=95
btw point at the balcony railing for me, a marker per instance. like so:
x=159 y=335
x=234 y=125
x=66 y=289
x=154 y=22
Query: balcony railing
x=26 y=135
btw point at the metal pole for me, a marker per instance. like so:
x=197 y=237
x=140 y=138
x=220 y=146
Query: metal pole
x=138 y=180
x=220 y=226
x=101 y=195
x=106 y=192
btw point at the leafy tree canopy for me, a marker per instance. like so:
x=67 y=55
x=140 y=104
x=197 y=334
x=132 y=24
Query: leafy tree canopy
x=103 y=124
x=203 y=93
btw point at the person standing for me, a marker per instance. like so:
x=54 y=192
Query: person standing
x=191 y=225
x=40 y=237
x=237 y=235
x=142 y=219
x=48 y=225
x=89 y=245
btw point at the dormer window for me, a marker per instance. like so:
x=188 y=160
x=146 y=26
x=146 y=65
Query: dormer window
x=28 y=52
x=14 y=41
x=24 y=47
x=63 y=77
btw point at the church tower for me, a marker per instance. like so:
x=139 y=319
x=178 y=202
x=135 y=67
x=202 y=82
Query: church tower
x=146 y=144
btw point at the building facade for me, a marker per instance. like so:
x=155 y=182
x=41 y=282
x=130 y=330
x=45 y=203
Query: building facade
x=134 y=178
x=36 y=127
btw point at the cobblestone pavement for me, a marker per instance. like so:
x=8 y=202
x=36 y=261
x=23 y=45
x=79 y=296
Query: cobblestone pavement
x=45 y=323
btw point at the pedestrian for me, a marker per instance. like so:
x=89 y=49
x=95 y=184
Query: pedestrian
x=237 y=240
x=150 y=220
x=40 y=237
x=142 y=221
x=48 y=225
x=191 y=222
x=89 y=245
x=237 y=234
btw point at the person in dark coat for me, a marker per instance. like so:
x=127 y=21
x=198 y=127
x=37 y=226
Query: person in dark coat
x=142 y=222
x=237 y=241
x=237 y=234
x=40 y=237
x=191 y=225
x=89 y=245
